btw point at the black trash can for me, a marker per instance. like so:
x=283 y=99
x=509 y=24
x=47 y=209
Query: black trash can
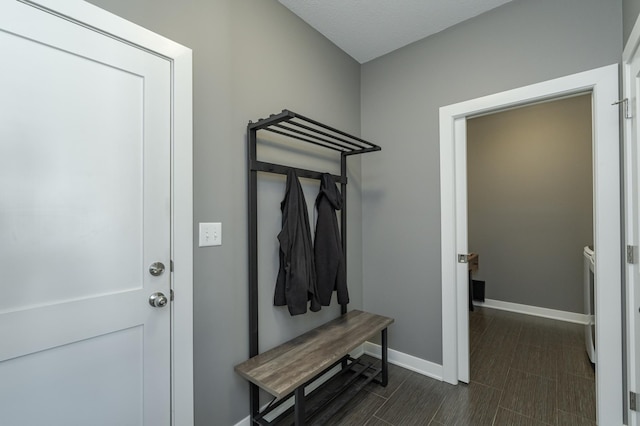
x=478 y=290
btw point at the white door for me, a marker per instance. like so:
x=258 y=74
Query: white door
x=631 y=85
x=84 y=212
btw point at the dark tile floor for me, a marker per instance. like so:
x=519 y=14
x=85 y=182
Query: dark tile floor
x=524 y=371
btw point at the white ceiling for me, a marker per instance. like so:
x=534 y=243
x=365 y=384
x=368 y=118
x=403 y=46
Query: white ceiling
x=367 y=29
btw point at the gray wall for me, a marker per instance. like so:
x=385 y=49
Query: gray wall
x=530 y=202
x=517 y=44
x=630 y=12
x=251 y=58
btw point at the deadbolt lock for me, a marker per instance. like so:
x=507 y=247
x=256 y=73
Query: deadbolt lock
x=156 y=269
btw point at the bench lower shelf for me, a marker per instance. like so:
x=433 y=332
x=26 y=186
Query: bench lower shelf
x=327 y=399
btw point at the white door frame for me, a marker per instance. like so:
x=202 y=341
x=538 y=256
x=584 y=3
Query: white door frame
x=181 y=182
x=631 y=215
x=603 y=84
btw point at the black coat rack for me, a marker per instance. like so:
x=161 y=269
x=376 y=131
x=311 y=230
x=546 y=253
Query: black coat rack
x=300 y=128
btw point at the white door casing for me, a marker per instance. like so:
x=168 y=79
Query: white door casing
x=603 y=84
x=630 y=88
x=96 y=154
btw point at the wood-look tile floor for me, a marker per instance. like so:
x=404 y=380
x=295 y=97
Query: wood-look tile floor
x=524 y=371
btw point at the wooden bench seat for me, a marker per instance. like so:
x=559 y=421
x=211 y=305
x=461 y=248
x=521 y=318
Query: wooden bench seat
x=290 y=366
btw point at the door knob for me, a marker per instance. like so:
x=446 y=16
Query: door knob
x=158 y=300
x=156 y=268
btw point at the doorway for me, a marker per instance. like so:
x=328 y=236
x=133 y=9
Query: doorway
x=602 y=83
x=530 y=204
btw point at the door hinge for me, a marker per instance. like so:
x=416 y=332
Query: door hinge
x=171 y=295
x=171 y=266
x=625 y=107
x=632 y=254
x=634 y=401
x=463 y=258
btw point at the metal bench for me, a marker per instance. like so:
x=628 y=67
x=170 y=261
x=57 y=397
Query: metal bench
x=290 y=367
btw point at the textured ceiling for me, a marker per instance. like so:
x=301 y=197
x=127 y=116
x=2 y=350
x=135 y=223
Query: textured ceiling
x=367 y=29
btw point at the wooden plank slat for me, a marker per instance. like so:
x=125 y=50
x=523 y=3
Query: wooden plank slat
x=282 y=369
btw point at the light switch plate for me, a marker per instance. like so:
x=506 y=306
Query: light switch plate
x=210 y=234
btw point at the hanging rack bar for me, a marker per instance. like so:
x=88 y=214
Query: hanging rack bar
x=324 y=126
x=336 y=141
x=302 y=139
x=362 y=151
x=261 y=166
x=327 y=142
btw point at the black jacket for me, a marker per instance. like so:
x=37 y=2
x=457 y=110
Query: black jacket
x=296 y=282
x=329 y=258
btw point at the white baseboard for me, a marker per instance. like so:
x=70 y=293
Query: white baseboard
x=244 y=422
x=400 y=359
x=535 y=311
x=410 y=362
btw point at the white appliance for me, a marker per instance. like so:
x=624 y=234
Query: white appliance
x=589 y=303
